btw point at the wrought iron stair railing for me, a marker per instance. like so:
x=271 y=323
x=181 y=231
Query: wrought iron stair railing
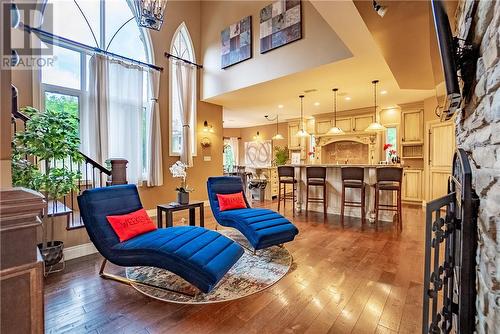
x=450 y=251
x=92 y=175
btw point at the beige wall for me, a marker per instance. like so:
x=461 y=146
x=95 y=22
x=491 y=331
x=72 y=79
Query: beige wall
x=5 y=108
x=319 y=45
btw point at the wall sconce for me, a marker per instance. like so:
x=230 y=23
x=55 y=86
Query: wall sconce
x=257 y=137
x=205 y=142
x=207 y=127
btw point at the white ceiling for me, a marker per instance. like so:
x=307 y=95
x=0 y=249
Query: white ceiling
x=248 y=106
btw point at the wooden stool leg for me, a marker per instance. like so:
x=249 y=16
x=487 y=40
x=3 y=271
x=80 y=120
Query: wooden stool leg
x=307 y=199
x=400 y=213
x=363 y=214
x=279 y=196
x=324 y=199
x=284 y=197
x=376 y=204
x=293 y=199
x=342 y=205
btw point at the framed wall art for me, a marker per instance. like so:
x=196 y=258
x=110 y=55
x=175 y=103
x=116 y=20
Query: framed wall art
x=280 y=24
x=236 y=42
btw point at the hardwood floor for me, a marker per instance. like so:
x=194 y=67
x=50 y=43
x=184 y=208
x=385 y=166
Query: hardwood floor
x=356 y=279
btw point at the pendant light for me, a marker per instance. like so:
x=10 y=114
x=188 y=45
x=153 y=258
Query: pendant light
x=302 y=132
x=335 y=130
x=375 y=126
x=278 y=135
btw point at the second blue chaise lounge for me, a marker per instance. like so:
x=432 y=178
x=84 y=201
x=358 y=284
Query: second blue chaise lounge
x=262 y=227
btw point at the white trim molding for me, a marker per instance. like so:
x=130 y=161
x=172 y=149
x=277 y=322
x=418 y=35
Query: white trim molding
x=79 y=251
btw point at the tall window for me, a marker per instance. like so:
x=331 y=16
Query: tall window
x=108 y=25
x=391 y=138
x=181 y=47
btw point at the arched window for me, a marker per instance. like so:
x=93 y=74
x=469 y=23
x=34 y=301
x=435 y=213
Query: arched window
x=107 y=24
x=181 y=47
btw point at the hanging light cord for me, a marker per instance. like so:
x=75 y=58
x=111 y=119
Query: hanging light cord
x=302 y=113
x=335 y=107
x=375 y=97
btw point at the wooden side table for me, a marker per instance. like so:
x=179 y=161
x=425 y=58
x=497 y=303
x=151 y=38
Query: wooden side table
x=169 y=209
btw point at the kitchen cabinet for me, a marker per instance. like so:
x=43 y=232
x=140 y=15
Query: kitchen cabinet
x=323 y=126
x=360 y=123
x=412 y=127
x=344 y=124
x=293 y=139
x=412 y=185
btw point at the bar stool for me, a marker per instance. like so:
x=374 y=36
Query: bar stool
x=316 y=177
x=353 y=177
x=389 y=179
x=286 y=175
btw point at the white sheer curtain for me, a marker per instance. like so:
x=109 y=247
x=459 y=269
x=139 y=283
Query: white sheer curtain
x=235 y=145
x=154 y=166
x=111 y=126
x=185 y=74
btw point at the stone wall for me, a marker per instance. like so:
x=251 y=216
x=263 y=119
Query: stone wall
x=478 y=132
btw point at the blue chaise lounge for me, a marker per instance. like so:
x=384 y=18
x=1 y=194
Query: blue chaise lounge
x=200 y=256
x=262 y=227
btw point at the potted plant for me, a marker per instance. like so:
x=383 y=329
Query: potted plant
x=280 y=155
x=179 y=170
x=49 y=138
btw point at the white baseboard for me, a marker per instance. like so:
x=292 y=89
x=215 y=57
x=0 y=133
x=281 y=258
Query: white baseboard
x=79 y=251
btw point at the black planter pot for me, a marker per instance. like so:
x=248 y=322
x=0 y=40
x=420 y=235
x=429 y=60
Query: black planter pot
x=52 y=253
x=182 y=198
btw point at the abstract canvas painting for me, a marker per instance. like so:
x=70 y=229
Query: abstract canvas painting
x=236 y=42
x=280 y=24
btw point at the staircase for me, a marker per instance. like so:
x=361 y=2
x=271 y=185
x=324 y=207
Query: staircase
x=93 y=175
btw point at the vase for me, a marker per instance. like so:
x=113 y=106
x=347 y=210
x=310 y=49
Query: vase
x=52 y=252
x=182 y=198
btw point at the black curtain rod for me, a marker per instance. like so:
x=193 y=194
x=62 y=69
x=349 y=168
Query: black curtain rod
x=61 y=41
x=169 y=55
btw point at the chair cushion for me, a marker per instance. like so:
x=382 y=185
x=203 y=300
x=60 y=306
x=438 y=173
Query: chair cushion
x=262 y=227
x=200 y=256
x=388 y=186
x=316 y=181
x=287 y=180
x=353 y=184
x=231 y=201
x=131 y=224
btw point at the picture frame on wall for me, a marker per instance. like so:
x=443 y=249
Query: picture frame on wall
x=280 y=24
x=236 y=42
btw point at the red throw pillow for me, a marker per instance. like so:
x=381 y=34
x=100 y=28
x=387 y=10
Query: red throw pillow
x=132 y=224
x=231 y=201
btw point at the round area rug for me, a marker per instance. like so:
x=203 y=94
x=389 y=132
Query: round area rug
x=251 y=274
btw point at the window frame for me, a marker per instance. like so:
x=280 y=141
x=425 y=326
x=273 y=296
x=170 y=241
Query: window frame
x=40 y=88
x=398 y=142
x=194 y=126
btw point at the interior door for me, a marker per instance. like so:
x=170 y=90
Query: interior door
x=440 y=149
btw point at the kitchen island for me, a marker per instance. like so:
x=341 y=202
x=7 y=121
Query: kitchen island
x=334 y=191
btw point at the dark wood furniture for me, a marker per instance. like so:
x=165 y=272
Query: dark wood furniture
x=286 y=176
x=353 y=177
x=389 y=179
x=316 y=177
x=21 y=265
x=169 y=209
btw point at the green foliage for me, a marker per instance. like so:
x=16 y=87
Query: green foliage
x=62 y=103
x=50 y=136
x=280 y=155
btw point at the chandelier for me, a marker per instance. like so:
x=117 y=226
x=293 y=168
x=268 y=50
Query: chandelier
x=150 y=13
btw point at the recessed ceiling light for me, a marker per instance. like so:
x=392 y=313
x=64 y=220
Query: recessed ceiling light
x=383 y=92
x=280 y=106
x=316 y=104
x=347 y=98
